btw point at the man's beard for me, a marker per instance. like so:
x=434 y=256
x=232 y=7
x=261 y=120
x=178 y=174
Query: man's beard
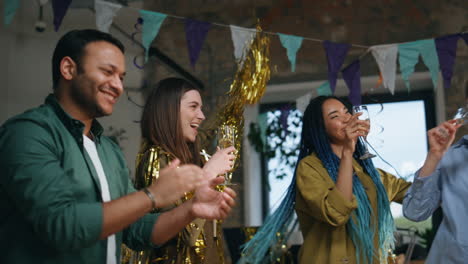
x=87 y=103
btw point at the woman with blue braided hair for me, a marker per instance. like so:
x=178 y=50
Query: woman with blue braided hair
x=342 y=202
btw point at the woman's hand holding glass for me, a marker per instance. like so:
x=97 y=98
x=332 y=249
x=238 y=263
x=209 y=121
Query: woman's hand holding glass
x=365 y=117
x=220 y=163
x=445 y=132
x=355 y=129
x=442 y=136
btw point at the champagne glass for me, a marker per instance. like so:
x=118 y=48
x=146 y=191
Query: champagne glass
x=462 y=115
x=226 y=138
x=365 y=116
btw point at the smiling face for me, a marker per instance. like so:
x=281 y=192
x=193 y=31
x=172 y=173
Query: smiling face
x=191 y=114
x=96 y=83
x=335 y=117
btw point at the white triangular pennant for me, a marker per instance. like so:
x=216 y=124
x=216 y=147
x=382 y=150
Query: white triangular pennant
x=303 y=101
x=241 y=39
x=105 y=13
x=385 y=56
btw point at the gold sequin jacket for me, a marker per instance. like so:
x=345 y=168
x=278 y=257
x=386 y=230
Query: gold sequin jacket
x=195 y=244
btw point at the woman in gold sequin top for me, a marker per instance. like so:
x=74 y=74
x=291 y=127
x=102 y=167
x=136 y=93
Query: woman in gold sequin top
x=169 y=125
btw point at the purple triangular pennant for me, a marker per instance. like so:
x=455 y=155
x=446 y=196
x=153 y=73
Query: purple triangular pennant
x=60 y=8
x=195 y=32
x=447 y=52
x=336 y=53
x=352 y=77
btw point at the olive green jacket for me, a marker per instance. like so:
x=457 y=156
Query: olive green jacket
x=323 y=211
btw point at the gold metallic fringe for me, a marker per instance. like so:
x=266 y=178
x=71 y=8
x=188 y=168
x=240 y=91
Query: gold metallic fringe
x=248 y=86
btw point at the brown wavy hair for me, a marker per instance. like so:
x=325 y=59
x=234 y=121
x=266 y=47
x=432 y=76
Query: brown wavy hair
x=160 y=121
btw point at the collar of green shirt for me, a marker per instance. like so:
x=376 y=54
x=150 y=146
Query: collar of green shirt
x=74 y=126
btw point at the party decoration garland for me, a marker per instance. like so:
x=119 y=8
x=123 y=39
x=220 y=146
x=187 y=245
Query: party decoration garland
x=437 y=57
x=248 y=86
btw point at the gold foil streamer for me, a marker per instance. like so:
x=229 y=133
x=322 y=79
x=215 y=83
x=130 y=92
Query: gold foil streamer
x=250 y=81
x=248 y=86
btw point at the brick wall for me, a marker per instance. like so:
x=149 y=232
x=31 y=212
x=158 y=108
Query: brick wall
x=364 y=22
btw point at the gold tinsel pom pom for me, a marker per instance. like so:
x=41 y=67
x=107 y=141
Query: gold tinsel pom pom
x=248 y=86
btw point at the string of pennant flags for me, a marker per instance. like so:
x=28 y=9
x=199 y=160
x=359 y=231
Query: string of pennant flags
x=438 y=54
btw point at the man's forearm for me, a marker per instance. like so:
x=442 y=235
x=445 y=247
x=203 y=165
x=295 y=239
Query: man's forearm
x=122 y=212
x=170 y=223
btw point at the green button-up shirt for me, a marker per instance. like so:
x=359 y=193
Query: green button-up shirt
x=50 y=197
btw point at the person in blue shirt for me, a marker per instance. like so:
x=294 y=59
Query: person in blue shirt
x=442 y=181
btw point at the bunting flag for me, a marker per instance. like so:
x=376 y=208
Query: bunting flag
x=385 y=56
x=292 y=44
x=241 y=39
x=195 y=33
x=447 y=52
x=60 y=8
x=105 y=13
x=324 y=89
x=431 y=50
x=303 y=101
x=151 y=24
x=336 y=53
x=352 y=77
x=9 y=10
x=409 y=55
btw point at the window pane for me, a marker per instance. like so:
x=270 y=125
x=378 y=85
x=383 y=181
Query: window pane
x=280 y=170
x=398 y=134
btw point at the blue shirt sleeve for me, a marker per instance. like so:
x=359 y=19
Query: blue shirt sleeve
x=423 y=197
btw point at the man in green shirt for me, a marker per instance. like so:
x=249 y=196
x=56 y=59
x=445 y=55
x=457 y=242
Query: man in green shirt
x=65 y=190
